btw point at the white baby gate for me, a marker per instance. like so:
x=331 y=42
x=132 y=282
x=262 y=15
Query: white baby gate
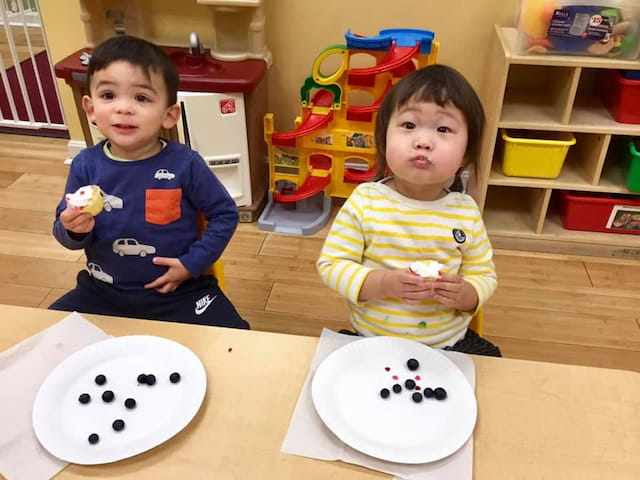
x=27 y=103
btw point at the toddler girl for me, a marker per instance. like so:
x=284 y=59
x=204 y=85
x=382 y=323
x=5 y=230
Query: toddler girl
x=428 y=131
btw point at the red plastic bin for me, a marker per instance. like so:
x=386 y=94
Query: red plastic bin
x=621 y=96
x=600 y=212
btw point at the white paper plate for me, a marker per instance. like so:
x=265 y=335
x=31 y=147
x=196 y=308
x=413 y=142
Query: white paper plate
x=62 y=424
x=346 y=394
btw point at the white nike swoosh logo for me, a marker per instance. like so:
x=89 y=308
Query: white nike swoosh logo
x=199 y=310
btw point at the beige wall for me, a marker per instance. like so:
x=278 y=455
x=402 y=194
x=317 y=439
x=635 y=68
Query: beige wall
x=64 y=32
x=298 y=30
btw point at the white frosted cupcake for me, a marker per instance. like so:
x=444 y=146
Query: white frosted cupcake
x=87 y=198
x=427 y=269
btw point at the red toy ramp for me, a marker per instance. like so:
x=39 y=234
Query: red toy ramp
x=397 y=58
x=310 y=122
x=309 y=188
x=353 y=175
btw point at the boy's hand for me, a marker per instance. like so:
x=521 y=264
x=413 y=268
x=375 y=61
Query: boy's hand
x=453 y=291
x=172 y=278
x=77 y=221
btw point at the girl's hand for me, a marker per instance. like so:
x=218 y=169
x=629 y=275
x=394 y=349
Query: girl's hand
x=172 y=278
x=77 y=221
x=453 y=291
x=402 y=284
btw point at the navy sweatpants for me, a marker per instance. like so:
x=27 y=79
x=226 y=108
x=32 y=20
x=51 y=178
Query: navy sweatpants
x=198 y=300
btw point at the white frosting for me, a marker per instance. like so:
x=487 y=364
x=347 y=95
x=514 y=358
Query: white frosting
x=81 y=197
x=428 y=269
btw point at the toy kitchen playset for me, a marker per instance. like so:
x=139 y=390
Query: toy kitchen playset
x=222 y=90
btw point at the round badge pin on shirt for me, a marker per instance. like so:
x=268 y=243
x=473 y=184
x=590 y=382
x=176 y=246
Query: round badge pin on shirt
x=458 y=235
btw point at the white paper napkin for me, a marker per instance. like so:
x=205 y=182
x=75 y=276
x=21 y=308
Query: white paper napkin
x=309 y=437
x=23 y=368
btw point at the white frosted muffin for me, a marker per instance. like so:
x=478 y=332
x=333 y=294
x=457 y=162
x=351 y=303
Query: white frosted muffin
x=87 y=198
x=427 y=269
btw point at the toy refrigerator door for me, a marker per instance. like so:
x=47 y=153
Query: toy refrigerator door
x=214 y=125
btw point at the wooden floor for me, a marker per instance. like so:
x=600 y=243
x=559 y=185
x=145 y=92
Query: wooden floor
x=578 y=310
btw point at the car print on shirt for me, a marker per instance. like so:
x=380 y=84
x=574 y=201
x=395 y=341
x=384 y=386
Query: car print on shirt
x=131 y=246
x=111 y=201
x=164 y=174
x=96 y=272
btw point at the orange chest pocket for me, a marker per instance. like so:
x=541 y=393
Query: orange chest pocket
x=162 y=206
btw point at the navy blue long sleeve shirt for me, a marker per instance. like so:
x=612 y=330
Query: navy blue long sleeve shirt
x=151 y=209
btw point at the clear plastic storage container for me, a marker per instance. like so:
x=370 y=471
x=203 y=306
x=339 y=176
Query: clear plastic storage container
x=608 y=28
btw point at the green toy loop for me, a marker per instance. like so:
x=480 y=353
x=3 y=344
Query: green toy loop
x=310 y=84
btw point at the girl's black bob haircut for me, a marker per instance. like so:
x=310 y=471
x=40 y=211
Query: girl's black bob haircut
x=441 y=85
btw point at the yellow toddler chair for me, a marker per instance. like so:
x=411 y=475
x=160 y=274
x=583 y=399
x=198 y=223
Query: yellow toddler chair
x=477 y=322
x=217 y=269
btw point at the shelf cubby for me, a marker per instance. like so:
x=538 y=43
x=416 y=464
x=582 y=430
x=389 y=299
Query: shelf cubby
x=511 y=210
x=546 y=91
x=550 y=93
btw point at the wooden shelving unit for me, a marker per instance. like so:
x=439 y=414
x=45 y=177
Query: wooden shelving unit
x=552 y=93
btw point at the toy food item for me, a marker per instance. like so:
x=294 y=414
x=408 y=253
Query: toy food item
x=87 y=198
x=428 y=269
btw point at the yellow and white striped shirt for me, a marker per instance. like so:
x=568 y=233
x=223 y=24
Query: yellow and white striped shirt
x=378 y=228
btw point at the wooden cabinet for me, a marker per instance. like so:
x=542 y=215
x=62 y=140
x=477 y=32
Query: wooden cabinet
x=549 y=93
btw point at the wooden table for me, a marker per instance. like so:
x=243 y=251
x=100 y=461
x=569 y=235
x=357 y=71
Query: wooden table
x=535 y=420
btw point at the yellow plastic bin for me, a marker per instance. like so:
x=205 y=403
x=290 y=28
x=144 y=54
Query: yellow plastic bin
x=531 y=153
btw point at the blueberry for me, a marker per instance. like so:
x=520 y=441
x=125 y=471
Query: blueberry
x=384 y=393
x=397 y=388
x=410 y=384
x=108 y=396
x=84 y=398
x=416 y=397
x=412 y=364
x=151 y=379
x=94 y=438
x=174 y=377
x=100 y=380
x=428 y=392
x=142 y=378
x=440 y=393
x=130 y=403
x=118 y=425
